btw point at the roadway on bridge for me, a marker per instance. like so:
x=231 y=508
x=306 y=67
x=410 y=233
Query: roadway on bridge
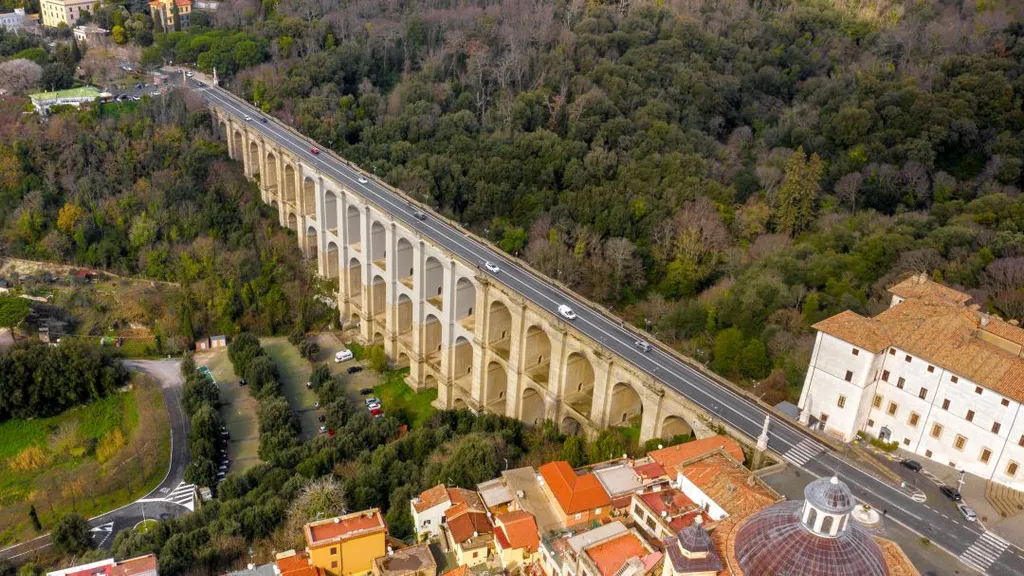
x=970 y=543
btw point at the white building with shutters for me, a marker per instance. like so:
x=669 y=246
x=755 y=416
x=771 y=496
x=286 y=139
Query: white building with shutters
x=931 y=372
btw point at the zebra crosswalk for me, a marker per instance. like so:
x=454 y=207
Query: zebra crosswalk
x=803 y=452
x=984 y=552
x=183 y=495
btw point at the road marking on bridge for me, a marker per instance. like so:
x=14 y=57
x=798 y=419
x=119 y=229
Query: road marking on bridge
x=984 y=552
x=803 y=452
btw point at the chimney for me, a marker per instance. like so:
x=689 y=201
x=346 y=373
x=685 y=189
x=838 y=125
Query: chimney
x=984 y=320
x=1014 y=322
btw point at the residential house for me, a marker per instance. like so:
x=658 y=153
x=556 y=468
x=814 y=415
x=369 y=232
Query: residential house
x=171 y=15
x=66 y=12
x=608 y=550
x=428 y=511
x=497 y=496
x=663 y=511
x=670 y=458
x=580 y=497
x=467 y=527
x=530 y=494
x=138 y=566
x=13 y=21
x=347 y=544
x=621 y=478
x=516 y=539
x=410 y=561
x=292 y=563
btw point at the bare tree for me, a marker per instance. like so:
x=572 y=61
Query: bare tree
x=19 y=76
x=847 y=189
x=619 y=253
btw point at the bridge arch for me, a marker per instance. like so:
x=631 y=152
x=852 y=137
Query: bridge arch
x=254 y=157
x=289 y=184
x=238 y=146
x=308 y=197
x=570 y=426
x=431 y=334
x=403 y=360
x=224 y=132
x=404 y=314
x=626 y=404
x=495 y=388
x=332 y=262
x=353 y=225
x=429 y=381
x=404 y=261
x=463 y=360
x=293 y=221
x=312 y=244
x=275 y=206
x=355 y=279
x=673 y=426
x=378 y=245
x=271 y=179
x=579 y=383
x=532 y=406
x=465 y=298
x=460 y=404
x=379 y=295
x=331 y=211
x=433 y=277
x=499 y=329
x=538 y=355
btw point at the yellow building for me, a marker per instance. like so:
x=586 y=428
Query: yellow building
x=347 y=544
x=67 y=12
x=163 y=13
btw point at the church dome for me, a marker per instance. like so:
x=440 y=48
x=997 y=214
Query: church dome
x=809 y=538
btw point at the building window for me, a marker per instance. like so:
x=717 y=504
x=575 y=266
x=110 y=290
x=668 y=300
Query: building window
x=823 y=418
x=579 y=515
x=899 y=383
x=842 y=401
x=892 y=351
x=914 y=417
x=945 y=404
x=334 y=551
x=985 y=455
x=970 y=415
x=1004 y=402
x=906 y=441
x=892 y=408
x=885 y=375
x=931 y=368
x=1011 y=469
x=923 y=394
x=856 y=352
x=877 y=401
x=908 y=358
x=334 y=564
x=426 y=522
x=936 y=430
x=977 y=389
x=960 y=442
x=927 y=453
x=650 y=523
x=475 y=554
x=871 y=423
x=849 y=376
x=1021 y=441
x=995 y=427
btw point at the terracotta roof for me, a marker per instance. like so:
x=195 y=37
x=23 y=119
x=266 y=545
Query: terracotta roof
x=460 y=571
x=673 y=456
x=431 y=497
x=609 y=556
x=469 y=497
x=296 y=564
x=345 y=527
x=650 y=471
x=895 y=559
x=574 y=493
x=920 y=286
x=139 y=565
x=519 y=530
x=672 y=506
x=463 y=522
x=946 y=334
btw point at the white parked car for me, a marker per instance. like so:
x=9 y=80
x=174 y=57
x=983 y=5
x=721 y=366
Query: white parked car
x=323 y=429
x=372 y=400
x=566 y=312
x=373 y=406
x=343 y=355
x=190 y=74
x=362 y=180
x=492 y=267
x=968 y=513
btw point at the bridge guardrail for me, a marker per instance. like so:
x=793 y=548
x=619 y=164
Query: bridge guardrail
x=697 y=366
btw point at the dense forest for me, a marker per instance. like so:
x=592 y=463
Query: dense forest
x=725 y=173
x=149 y=192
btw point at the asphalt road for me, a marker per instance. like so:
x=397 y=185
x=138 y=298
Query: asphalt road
x=156 y=504
x=788 y=440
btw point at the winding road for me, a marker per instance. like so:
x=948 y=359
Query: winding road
x=981 y=550
x=167 y=499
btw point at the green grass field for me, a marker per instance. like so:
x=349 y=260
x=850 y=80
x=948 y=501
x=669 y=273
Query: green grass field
x=73 y=477
x=402 y=402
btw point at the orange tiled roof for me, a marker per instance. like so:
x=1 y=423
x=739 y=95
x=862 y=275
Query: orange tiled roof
x=944 y=333
x=137 y=565
x=609 y=556
x=574 y=493
x=431 y=497
x=673 y=456
x=920 y=286
x=469 y=497
x=463 y=521
x=649 y=471
x=296 y=564
x=520 y=530
x=460 y=571
x=895 y=559
x=345 y=527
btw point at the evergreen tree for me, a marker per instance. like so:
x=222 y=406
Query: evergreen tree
x=35 y=518
x=794 y=203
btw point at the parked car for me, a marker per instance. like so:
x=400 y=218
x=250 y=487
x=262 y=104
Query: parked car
x=366 y=391
x=492 y=267
x=190 y=74
x=322 y=418
x=242 y=382
x=309 y=385
x=373 y=406
x=951 y=493
x=967 y=512
x=316 y=405
x=566 y=312
x=643 y=345
x=371 y=400
x=377 y=413
x=911 y=465
x=314 y=150
x=343 y=355
x=354 y=369
x=323 y=429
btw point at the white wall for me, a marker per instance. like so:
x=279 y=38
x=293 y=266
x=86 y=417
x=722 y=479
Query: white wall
x=429 y=521
x=826 y=384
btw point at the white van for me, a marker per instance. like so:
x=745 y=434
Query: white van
x=343 y=355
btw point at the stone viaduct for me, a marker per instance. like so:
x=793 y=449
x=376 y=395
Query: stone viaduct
x=482 y=345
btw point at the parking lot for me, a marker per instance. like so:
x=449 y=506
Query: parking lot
x=237 y=410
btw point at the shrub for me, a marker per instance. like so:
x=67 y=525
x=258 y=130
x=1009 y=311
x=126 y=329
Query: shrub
x=110 y=444
x=31 y=458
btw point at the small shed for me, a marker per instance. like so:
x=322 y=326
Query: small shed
x=218 y=341
x=203 y=344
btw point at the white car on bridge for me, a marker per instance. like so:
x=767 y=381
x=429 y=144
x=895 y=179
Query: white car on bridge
x=566 y=312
